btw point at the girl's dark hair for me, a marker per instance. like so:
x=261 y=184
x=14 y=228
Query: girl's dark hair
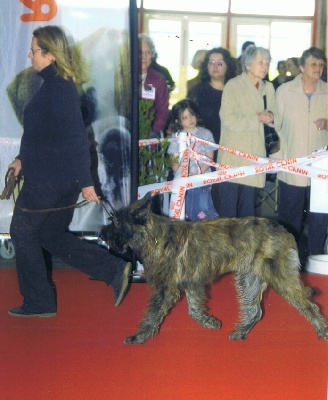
x=177 y=111
x=228 y=59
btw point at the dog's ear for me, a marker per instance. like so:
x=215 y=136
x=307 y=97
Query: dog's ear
x=140 y=214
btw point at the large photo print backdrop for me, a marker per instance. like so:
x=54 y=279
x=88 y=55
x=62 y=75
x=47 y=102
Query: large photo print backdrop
x=101 y=29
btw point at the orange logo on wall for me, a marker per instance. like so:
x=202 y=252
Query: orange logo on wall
x=42 y=10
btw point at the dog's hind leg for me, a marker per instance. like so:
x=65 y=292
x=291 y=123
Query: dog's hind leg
x=299 y=296
x=196 y=299
x=162 y=299
x=250 y=289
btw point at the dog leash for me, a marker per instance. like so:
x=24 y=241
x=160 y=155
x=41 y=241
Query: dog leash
x=110 y=214
x=54 y=209
x=10 y=183
x=76 y=205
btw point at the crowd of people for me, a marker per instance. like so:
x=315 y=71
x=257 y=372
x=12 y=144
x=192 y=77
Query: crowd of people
x=227 y=99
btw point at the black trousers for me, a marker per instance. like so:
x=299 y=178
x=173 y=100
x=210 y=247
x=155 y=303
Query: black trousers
x=33 y=232
x=236 y=200
x=293 y=208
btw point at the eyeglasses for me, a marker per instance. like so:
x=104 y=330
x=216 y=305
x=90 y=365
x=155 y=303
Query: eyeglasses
x=212 y=63
x=34 y=50
x=315 y=65
x=146 y=53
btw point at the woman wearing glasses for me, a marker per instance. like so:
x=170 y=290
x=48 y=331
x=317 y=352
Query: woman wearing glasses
x=153 y=86
x=216 y=70
x=55 y=162
x=301 y=117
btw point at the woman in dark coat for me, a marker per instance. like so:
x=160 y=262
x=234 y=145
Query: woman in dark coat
x=55 y=162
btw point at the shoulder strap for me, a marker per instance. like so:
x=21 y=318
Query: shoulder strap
x=265 y=103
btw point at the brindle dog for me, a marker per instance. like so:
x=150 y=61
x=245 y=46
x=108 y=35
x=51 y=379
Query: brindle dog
x=179 y=255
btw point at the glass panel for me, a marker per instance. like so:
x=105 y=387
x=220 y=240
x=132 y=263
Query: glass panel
x=259 y=34
x=288 y=39
x=283 y=39
x=177 y=41
x=187 y=5
x=276 y=7
x=166 y=35
x=202 y=35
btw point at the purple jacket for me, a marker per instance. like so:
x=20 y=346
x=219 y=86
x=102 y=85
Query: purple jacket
x=161 y=102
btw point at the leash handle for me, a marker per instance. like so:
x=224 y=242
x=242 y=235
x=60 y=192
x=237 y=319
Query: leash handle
x=10 y=182
x=9 y=172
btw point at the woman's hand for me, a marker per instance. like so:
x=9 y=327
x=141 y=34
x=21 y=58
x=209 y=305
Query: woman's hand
x=266 y=117
x=89 y=194
x=321 y=124
x=174 y=163
x=17 y=165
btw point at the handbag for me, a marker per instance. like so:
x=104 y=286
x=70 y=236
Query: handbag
x=271 y=137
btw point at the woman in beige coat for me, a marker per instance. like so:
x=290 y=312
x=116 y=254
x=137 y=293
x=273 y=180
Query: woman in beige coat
x=242 y=128
x=301 y=117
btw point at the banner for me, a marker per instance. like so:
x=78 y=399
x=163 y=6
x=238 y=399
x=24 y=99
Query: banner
x=101 y=29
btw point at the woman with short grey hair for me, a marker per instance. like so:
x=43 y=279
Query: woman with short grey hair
x=243 y=117
x=152 y=87
x=250 y=55
x=301 y=117
x=143 y=37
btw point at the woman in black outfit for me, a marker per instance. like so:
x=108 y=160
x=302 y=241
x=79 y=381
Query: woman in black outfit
x=217 y=68
x=54 y=160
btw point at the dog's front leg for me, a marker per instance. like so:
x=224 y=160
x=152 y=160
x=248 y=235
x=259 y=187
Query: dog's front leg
x=250 y=289
x=197 y=309
x=162 y=299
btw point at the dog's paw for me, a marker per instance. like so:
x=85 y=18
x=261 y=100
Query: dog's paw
x=135 y=339
x=237 y=335
x=323 y=334
x=211 y=322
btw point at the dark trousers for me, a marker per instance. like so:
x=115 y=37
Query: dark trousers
x=32 y=233
x=236 y=200
x=293 y=206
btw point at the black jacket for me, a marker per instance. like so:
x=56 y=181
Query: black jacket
x=54 y=146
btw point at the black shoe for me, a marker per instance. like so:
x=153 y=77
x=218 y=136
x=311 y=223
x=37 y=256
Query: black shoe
x=120 y=283
x=22 y=312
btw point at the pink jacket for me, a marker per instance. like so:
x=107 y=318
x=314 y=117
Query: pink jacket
x=161 y=102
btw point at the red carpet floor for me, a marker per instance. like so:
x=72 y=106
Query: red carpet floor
x=80 y=355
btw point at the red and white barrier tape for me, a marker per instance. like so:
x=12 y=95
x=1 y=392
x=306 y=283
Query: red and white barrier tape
x=178 y=187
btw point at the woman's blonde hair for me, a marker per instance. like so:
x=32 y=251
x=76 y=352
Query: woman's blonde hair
x=68 y=60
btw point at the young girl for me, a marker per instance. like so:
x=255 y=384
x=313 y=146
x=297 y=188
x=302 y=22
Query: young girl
x=198 y=201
